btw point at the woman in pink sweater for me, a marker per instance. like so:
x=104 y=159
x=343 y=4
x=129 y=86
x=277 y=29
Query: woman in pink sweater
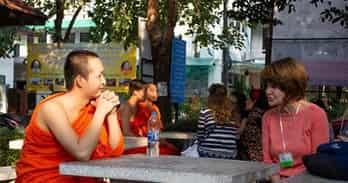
x=293 y=127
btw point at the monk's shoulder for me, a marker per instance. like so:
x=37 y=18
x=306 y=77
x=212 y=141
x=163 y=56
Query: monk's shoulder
x=47 y=112
x=51 y=108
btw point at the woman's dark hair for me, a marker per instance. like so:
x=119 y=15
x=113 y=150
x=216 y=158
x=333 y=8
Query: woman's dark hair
x=261 y=101
x=241 y=100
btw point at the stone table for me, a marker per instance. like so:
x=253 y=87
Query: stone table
x=7 y=173
x=172 y=169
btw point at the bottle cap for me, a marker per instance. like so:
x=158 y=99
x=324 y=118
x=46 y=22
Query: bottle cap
x=153 y=113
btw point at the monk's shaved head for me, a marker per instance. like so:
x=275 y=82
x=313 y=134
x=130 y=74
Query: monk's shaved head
x=76 y=64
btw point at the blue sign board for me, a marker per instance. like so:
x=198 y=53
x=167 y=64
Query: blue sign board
x=177 y=71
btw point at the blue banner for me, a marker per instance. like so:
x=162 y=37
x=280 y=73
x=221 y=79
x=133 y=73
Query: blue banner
x=177 y=71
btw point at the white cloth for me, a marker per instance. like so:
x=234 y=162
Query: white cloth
x=191 y=151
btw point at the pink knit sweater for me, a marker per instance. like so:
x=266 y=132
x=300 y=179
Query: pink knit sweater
x=303 y=132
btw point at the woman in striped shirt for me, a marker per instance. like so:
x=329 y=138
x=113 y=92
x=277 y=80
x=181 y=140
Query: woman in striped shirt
x=217 y=126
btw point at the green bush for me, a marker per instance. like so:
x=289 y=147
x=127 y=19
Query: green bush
x=8 y=157
x=188 y=117
x=336 y=110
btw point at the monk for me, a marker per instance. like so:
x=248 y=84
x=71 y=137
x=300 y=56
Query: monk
x=138 y=126
x=78 y=125
x=129 y=108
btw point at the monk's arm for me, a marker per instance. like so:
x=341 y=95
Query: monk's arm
x=115 y=133
x=125 y=115
x=56 y=119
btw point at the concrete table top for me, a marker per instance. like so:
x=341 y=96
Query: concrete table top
x=172 y=169
x=7 y=173
x=308 y=178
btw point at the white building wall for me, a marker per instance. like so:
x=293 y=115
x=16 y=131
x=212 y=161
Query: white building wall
x=7 y=69
x=256 y=42
x=322 y=47
x=215 y=74
x=23 y=49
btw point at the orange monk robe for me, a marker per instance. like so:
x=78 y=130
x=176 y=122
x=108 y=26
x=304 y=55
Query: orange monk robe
x=139 y=127
x=41 y=153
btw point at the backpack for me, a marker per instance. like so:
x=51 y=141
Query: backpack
x=330 y=161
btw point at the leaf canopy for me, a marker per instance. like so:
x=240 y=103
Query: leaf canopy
x=117 y=20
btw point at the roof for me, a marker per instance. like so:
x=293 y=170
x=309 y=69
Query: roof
x=15 y=12
x=79 y=23
x=200 y=62
x=240 y=67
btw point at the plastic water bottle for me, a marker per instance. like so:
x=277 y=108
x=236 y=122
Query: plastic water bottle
x=153 y=136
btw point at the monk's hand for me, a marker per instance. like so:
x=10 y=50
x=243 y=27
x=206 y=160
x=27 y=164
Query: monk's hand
x=107 y=102
x=342 y=138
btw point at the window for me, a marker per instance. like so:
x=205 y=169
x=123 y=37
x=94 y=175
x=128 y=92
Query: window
x=42 y=37
x=30 y=39
x=84 y=37
x=71 y=38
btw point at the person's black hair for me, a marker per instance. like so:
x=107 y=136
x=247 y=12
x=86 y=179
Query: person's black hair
x=241 y=100
x=76 y=63
x=262 y=101
x=136 y=85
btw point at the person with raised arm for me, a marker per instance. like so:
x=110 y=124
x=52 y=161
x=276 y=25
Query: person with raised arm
x=135 y=115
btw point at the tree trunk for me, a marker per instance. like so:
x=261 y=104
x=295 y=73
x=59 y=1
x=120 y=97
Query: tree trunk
x=161 y=50
x=68 y=31
x=270 y=35
x=153 y=23
x=225 y=55
x=59 y=20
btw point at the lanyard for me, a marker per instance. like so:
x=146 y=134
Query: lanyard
x=282 y=132
x=282 y=128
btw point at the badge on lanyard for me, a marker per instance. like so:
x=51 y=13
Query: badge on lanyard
x=286 y=160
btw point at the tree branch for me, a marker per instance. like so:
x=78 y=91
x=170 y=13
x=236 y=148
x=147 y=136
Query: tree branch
x=153 y=23
x=169 y=34
x=67 y=33
x=59 y=20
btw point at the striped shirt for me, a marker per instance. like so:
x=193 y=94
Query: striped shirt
x=217 y=140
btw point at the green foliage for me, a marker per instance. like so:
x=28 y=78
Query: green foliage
x=336 y=109
x=8 y=157
x=259 y=11
x=7 y=37
x=188 y=117
x=46 y=6
x=49 y=6
x=188 y=112
x=118 y=21
x=334 y=14
x=240 y=85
